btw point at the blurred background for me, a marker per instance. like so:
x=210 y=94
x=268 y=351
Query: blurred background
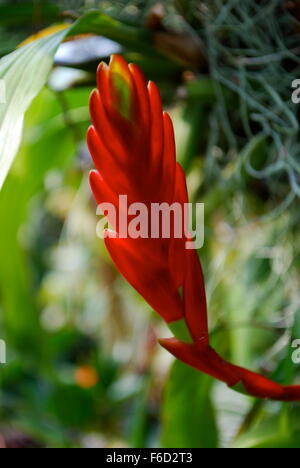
x=84 y=368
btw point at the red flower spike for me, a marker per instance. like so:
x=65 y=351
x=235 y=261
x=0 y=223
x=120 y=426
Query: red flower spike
x=133 y=147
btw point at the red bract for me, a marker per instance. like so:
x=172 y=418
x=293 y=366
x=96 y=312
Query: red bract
x=133 y=148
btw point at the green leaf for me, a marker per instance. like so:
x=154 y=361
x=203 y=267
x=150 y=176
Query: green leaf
x=23 y=74
x=95 y=22
x=188 y=418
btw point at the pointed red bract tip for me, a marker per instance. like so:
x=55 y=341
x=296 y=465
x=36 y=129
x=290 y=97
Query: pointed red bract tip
x=121 y=87
x=102 y=67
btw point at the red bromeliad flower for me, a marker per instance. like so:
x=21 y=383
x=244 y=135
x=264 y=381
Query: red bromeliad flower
x=133 y=147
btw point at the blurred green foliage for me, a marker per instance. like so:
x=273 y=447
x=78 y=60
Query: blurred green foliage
x=84 y=368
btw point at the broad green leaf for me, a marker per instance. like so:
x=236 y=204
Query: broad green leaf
x=23 y=74
x=188 y=419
